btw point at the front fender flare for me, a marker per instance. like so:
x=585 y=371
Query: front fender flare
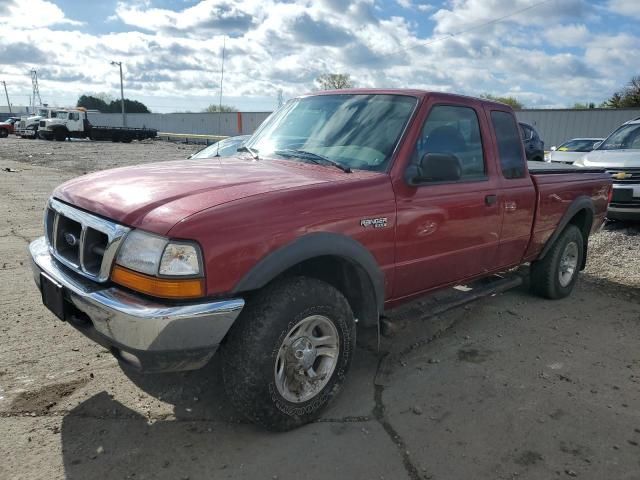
x=311 y=246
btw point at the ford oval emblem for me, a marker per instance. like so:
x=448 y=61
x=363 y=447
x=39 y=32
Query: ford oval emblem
x=71 y=239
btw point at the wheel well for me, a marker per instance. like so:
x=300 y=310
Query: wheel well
x=583 y=220
x=349 y=278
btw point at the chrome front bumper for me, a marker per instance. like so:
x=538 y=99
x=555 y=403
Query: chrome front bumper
x=145 y=334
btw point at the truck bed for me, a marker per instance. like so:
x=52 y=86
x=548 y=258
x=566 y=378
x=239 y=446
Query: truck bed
x=542 y=168
x=557 y=186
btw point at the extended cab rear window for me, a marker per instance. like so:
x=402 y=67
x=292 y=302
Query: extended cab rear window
x=509 y=144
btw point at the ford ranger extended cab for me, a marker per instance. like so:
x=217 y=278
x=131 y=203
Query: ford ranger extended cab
x=343 y=204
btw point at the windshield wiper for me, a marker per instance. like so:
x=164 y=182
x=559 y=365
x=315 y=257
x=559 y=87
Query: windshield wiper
x=251 y=151
x=314 y=157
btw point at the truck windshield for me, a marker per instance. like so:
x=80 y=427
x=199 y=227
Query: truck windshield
x=357 y=131
x=627 y=137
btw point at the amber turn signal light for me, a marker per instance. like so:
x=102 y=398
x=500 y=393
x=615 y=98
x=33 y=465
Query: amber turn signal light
x=158 y=287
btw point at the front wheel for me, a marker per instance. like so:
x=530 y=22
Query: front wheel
x=288 y=354
x=555 y=275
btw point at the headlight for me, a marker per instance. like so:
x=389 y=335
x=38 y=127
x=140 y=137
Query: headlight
x=142 y=252
x=159 y=267
x=180 y=259
x=153 y=255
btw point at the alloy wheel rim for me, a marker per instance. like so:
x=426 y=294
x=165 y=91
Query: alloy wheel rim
x=307 y=358
x=568 y=264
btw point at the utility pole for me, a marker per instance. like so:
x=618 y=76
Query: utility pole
x=5 y=92
x=124 y=115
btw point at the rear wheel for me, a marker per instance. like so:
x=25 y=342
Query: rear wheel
x=288 y=354
x=555 y=275
x=4 y=133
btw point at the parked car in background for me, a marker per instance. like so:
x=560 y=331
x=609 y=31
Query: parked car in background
x=360 y=200
x=619 y=155
x=533 y=144
x=572 y=150
x=224 y=148
x=8 y=126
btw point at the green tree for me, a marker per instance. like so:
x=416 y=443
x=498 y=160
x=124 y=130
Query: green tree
x=583 y=106
x=91 y=102
x=334 y=81
x=130 y=106
x=512 y=101
x=220 y=108
x=627 y=97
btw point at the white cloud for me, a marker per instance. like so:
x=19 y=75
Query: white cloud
x=567 y=35
x=21 y=14
x=630 y=8
x=273 y=45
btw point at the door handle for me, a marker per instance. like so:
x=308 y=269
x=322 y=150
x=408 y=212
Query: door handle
x=490 y=200
x=510 y=206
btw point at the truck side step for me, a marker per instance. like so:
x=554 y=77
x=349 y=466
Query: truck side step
x=448 y=299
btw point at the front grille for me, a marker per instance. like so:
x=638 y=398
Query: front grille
x=632 y=175
x=83 y=242
x=22 y=124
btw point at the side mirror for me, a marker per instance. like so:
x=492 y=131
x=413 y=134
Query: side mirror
x=554 y=148
x=596 y=145
x=435 y=167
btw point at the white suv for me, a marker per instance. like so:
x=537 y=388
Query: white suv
x=619 y=154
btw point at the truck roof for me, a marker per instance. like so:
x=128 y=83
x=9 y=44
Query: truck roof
x=413 y=92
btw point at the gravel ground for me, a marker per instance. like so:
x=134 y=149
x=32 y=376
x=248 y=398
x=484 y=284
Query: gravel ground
x=510 y=387
x=614 y=255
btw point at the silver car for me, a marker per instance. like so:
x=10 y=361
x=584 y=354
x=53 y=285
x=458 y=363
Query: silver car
x=224 y=148
x=572 y=150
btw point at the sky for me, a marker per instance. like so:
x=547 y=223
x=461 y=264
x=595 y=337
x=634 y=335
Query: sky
x=547 y=54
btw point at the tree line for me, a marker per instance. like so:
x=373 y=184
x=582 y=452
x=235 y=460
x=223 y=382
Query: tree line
x=107 y=105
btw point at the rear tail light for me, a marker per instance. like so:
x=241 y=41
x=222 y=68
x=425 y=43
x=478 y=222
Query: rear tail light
x=610 y=195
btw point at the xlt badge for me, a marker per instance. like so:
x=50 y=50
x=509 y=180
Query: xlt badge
x=374 y=222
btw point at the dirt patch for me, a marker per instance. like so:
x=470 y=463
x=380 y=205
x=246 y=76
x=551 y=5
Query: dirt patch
x=528 y=457
x=40 y=401
x=474 y=355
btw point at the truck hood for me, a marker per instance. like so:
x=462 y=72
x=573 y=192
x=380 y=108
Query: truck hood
x=156 y=196
x=611 y=159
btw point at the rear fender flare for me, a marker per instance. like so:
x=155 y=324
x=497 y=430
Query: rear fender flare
x=580 y=203
x=311 y=246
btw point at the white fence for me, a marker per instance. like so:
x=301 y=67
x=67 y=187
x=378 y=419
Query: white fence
x=554 y=126
x=227 y=124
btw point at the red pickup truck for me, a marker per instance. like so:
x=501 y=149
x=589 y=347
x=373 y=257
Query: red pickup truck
x=342 y=205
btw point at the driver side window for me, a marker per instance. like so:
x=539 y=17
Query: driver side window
x=454 y=130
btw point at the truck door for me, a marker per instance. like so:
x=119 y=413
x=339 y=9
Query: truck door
x=448 y=230
x=517 y=196
x=75 y=123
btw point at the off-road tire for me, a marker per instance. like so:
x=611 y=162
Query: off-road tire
x=250 y=351
x=545 y=273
